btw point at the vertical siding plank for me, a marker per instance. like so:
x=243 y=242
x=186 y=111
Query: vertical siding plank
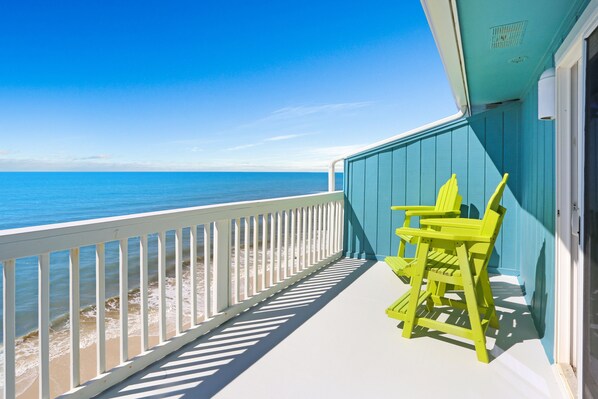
x=443 y=159
x=399 y=185
x=413 y=174
x=460 y=162
x=476 y=167
x=413 y=183
x=510 y=236
x=358 y=206
x=384 y=214
x=428 y=171
x=493 y=171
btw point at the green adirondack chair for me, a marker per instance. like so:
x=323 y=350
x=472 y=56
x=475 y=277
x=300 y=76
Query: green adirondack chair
x=448 y=205
x=472 y=242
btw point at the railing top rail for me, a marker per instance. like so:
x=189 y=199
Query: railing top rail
x=34 y=240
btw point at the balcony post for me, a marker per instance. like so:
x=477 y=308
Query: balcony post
x=222 y=236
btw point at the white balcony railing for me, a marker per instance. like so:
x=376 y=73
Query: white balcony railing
x=250 y=250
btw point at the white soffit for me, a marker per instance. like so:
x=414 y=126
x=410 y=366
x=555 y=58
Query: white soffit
x=444 y=23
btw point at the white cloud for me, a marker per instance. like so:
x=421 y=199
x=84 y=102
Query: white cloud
x=284 y=137
x=303 y=110
x=94 y=157
x=297 y=113
x=4 y=152
x=242 y=147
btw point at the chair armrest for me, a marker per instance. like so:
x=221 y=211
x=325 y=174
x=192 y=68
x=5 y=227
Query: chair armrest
x=461 y=223
x=437 y=235
x=412 y=208
x=433 y=213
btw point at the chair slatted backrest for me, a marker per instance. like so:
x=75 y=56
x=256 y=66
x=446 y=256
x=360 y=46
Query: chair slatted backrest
x=448 y=196
x=490 y=227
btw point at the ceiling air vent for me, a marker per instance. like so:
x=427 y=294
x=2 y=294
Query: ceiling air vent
x=509 y=35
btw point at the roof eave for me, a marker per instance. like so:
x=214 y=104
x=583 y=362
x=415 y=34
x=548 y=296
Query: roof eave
x=444 y=22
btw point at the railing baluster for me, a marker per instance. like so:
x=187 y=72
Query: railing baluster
x=298 y=218
x=256 y=227
x=193 y=272
x=44 y=324
x=329 y=230
x=278 y=246
x=293 y=238
x=246 y=257
x=334 y=226
x=286 y=246
x=272 y=237
x=178 y=264
x=339 y=230
x=303 y=238
x=207 y=299
x=74 y=309
x=237 y=268
x=264 y=249
x=320 y=235
x=9 y=329
x=100 y=309
x=143 y=292
x=162 y=285
x=222 y=263
x=309 y=236
x=324 y=230
x=123 y=252
x=341 y=217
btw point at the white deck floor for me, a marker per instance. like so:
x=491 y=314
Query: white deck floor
x=329 y=337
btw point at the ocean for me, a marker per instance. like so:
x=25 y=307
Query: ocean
x=30 y=199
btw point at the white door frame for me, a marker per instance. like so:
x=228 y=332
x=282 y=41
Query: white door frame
x=572 y=50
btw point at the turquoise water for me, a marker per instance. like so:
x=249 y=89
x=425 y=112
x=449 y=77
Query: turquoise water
x=29 y=199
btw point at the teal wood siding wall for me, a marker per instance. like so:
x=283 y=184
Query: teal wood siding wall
x=479 y=150
x=537 y=217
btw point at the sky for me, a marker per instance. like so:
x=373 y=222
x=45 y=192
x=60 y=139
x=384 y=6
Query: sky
x=211 y=85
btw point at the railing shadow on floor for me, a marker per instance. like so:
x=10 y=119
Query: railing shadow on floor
x=202 y=368
x=516 y=324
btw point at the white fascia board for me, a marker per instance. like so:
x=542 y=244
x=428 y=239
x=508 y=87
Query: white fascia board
x=444 y=23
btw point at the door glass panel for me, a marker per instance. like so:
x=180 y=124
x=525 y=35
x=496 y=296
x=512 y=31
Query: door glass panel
x=590 y=226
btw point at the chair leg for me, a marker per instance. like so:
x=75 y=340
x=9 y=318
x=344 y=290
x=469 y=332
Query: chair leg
x=416 y=284
x=479 y=339
x=488 y=298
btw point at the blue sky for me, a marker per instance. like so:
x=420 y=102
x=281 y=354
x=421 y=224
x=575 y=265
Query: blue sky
x=211 y=85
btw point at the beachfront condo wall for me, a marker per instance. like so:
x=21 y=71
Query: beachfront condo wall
x=508 y=138
x=478 y=149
